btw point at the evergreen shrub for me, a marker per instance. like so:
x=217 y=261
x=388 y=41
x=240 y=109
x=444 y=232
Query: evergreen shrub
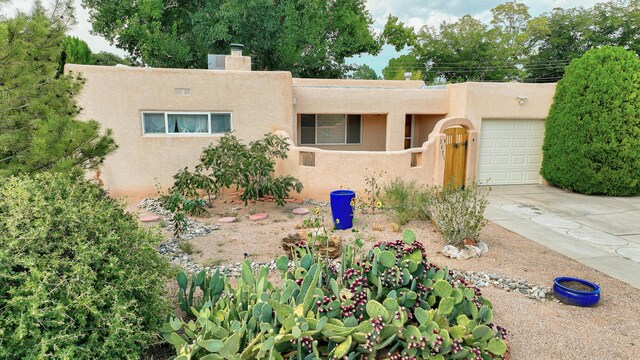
x=592 y=133
x=79 y=278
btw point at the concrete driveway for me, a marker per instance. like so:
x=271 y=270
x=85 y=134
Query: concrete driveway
x=599 y=231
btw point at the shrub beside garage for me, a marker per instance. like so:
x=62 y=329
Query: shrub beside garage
x=79 y=278
x=592 y=133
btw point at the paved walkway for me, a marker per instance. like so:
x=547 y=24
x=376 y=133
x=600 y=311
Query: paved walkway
x=598 y=231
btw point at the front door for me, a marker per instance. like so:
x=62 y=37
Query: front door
x=455 y=156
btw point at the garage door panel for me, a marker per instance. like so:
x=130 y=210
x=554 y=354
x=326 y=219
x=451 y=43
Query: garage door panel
x=510 y=151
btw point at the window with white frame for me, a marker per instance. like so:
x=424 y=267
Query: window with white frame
x=330 y=129
x=154 y=122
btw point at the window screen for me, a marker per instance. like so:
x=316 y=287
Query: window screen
x=187 y=123
x=220 y=123
x=354 y=124
x=307 y=129
x=153 y=123
x=330 y=129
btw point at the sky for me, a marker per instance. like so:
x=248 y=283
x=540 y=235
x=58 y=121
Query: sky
x=416 y=13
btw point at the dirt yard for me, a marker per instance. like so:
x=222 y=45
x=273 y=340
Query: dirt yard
x=537 y=329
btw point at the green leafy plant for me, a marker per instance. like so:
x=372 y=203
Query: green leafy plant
x=232 y=163
x=458 y=213
x=388 y=304
x=79 y=278
x=406 y=200
x=592 y=132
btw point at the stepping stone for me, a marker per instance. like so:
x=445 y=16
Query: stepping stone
x=258 y=216
x=300 y=211
x=227 y=220
x=150 y=218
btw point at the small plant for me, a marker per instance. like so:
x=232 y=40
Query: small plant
x=187 y=248
x=372 y=199
x=459 y=213
x=210 y=290
x=406 y=200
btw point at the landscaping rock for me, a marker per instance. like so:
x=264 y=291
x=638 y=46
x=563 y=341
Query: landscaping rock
x=150 y=218
x=258 y=216
x=450 y=251
x=300 y=211
x=227 y=220
x=334 y=241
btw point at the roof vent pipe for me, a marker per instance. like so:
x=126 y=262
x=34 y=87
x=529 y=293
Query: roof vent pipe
x=236 y=49
x=407 y=76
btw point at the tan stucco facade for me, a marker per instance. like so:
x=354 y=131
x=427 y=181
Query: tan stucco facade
x=264 y=102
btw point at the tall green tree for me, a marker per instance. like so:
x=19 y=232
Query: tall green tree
x=310 y=38
x=592 y=133
x=109 y=59
x=460 y=51
x=38 y=126
x=558 y=37
x=365 y=72
x=397 y=67
x=513 y=44
x=74 y=51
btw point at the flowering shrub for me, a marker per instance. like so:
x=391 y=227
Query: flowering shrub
x=388 y=304
x=459 y=212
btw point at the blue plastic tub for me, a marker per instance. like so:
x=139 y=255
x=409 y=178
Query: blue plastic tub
x=341 y=209
x=576 y=297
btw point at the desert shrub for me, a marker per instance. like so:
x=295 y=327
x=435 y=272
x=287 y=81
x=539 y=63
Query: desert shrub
x=388 y=304
x=592 y=133
x=458 y=213
x=79 y=278
x=405 y=200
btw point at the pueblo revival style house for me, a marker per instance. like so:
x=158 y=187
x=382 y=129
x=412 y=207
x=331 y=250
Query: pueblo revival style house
x=340 y=130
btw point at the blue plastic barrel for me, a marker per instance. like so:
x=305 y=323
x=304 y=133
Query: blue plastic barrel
x=341 y=209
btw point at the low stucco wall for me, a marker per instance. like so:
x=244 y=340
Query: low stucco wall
x=260 y=102
x=347 y=169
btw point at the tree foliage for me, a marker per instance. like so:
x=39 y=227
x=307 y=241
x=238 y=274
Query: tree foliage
x=108 y=59
x=38 y=129
x=365 y=72
x=592 y=133
x=514 y=45
x=310 y=38
x=398 y=66
x=76 y=51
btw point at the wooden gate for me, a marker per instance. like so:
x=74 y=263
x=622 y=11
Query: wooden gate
x=455 y=156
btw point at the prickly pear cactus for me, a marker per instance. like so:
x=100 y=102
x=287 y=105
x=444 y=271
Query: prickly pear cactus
x=389 y=304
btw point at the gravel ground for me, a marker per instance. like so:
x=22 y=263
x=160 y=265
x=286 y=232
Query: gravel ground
x=538 y=329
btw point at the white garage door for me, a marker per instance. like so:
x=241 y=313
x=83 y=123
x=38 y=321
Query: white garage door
x=510 y=151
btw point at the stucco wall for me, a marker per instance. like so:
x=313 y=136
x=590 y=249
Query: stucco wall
x=347 y=169
x=423 y=126
x=260 y=102
x=477 y=101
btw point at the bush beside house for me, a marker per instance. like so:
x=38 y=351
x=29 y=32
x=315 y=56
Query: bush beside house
x=592 y=133
x=79 y=278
